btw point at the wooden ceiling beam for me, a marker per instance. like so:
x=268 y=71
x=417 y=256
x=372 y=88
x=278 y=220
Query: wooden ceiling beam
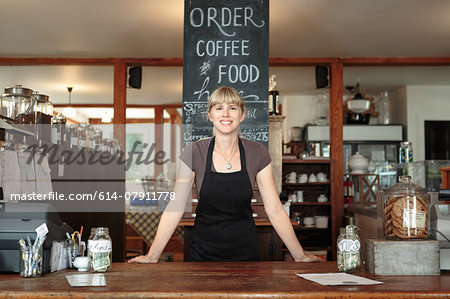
x=273 y=61
x=396 y=61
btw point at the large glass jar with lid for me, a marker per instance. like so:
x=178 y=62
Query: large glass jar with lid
x=17 y=102
x=406 y=209
x=43 y=104
x=100 y=250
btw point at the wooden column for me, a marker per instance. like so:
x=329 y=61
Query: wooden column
x=337 y=151
x=276 y=148
x=173 y=137
x=159 y=121
x=120 y=101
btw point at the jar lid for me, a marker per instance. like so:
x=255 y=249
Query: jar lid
x=102 y=230
x=18 y=90
x=350 y=230
x=41 y=97
x=405 y=143
x=404 y=186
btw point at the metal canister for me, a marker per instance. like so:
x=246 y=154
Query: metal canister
x=405 y=152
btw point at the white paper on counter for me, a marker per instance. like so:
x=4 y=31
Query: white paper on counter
x=86 y=280
x=334 y=279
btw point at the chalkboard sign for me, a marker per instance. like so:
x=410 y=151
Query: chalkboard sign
x=225 y=43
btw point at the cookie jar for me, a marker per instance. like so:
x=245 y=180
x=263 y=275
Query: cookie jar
x=406 y=213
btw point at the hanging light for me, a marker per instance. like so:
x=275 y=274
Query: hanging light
x=69 y=112
x=358 y=104
x=106 y=118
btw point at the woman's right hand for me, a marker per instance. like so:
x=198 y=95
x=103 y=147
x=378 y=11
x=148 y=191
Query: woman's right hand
x=143 y=259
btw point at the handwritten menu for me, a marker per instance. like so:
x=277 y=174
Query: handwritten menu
x=225 y=43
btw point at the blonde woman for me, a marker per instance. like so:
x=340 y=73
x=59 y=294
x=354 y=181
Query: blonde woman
x=225 y=169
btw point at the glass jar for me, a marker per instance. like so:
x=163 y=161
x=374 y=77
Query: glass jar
x=97 y=140
x=406 y=209
x=99 y=250
x=17 y=102
x=384 y=109
x=349 y=249
x=72 y=136
x=340 y=254
x=43 y=104
x=405 y=152
x=59 y=129
x=82 y=128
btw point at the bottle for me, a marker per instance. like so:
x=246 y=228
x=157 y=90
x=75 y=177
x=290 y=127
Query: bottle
x=99 y=250
x=273 y=96
x=349 y=248
x=340 y=258
x=383 y=109
x=405 y=152
x=346 y=190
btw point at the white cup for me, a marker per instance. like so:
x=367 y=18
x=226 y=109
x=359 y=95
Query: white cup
x=322 y=177
x=291 y=177
x=308 y=221
x=312 y=178
x=293 y=197
x=322 y=198
x=321 y=221
x=82 y=263
x=299 y=194
x=302 y=178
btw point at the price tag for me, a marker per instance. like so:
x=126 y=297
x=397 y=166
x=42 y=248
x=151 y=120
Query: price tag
x=42 y=229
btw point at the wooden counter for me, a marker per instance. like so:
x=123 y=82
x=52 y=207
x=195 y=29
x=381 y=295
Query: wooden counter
x=231 y=280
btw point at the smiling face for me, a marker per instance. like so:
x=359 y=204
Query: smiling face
x=226 y=117
x=226 y=109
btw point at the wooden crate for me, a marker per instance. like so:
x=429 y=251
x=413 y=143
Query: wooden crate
x=385 y=257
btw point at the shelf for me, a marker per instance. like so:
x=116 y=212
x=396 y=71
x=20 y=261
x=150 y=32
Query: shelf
x=310 y=203
x=305 y=184
x=306 y=161
x=301 y=227
x=317 y=248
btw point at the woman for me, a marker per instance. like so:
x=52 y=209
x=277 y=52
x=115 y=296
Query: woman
x=225 y=168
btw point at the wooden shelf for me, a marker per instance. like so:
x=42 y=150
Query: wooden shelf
x=305 y=184
x=301 y=227
x=303 y=161
x=311 y=203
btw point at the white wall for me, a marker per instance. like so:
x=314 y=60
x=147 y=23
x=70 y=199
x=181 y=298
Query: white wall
x=425 y=103
x=302 y=110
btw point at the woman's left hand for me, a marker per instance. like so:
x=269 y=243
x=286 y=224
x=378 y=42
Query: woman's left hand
x=309 y=258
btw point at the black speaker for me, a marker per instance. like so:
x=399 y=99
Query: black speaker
x=322 y=76
x=135 y=77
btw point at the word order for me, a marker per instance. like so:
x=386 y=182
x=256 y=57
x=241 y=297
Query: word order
x=223 y=17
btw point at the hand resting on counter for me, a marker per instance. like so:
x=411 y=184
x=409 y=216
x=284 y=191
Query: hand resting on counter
x=309 y=258
x=143 y=259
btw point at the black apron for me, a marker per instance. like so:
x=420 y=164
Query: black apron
x=224 y=229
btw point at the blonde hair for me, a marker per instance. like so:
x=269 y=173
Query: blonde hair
x=227 y=95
